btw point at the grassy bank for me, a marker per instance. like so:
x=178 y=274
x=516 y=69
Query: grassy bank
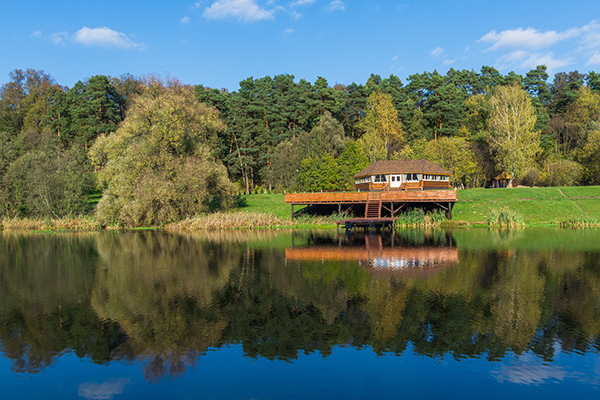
x=574 y=206
x=563 y=206
x=537 y=206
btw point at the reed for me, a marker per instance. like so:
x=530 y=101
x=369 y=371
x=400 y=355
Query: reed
x=505 y=218
x=417 y=218
x=233 y=220
x=81 y=223
x=579 y=222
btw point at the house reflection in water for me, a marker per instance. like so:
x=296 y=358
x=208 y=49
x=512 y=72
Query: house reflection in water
x=380 y=258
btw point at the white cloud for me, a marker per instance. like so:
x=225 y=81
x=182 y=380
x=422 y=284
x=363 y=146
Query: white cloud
x=242 y=10
x=302 y=3
x=438 y=51
x=528 y=371
x=594 y=59
x=36 y=34
x=526 y=38
x=447 y=61
x=58 y=37
x=590 y=37
x=102 y=391
x=336 y=5
x=105 y=37
x=288 y=32
x=184 y=20
x=522 y=59
x=394 y=58
x=525 y=48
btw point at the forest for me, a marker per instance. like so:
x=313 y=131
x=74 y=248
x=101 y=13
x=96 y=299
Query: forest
x=160 y=150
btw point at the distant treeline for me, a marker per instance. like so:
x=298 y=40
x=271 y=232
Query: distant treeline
x=276 y=133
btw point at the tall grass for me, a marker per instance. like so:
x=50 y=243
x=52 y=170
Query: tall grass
x=578 y=222
x=505 y=218
x=418 y=218
x=233 y=220
x=85 y=223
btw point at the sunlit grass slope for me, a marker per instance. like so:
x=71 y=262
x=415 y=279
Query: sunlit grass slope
x=538 y=206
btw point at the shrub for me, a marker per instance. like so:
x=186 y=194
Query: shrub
x=505 y=218
x=562 y=173
x=580 y=222
x=416 y=217
x=532 y=177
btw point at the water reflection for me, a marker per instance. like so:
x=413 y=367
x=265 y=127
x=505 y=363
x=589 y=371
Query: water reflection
x=162 y=300
x=379 y=253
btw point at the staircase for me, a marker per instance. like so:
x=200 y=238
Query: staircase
x=373 y=206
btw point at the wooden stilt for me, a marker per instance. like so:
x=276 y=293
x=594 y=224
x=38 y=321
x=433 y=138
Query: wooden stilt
x=292 y=213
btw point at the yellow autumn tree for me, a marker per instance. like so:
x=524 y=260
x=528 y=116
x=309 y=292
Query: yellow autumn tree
x=383 y=131
x=512 y=137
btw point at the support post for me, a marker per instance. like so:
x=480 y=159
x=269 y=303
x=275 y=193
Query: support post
x=450 y=211
x=292 y=213
x=339 y=208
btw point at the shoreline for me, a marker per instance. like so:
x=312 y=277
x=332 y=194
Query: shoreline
x=573 y=207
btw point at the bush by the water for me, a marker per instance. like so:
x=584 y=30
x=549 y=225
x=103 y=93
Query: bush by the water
x=418 y=217
x=505 y=218
x=581 y=222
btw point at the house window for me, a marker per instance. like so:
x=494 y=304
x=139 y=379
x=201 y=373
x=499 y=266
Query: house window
x=426 y=177
x=412 y=177
x=444 y=177
x=379 y=178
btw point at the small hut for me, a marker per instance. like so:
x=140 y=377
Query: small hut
x=502 y=180
x=402 y=175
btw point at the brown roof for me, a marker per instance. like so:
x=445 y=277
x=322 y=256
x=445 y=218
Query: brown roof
x=502 y=175
x=402 y=167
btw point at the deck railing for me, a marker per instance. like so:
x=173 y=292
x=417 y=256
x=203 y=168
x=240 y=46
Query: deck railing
x=362 y=197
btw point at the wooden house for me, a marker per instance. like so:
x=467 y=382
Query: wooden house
x=402 y=175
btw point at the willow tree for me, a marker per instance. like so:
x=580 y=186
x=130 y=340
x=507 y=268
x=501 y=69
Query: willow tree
x=383 y=131
x=512 y=138
x=157 y=167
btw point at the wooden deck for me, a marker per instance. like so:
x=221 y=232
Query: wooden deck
x=376 y=202
x=417 y=196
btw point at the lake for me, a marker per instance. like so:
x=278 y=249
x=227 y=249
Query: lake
x=306 y=314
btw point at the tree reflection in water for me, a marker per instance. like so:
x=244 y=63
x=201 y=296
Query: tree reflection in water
x=165 y=299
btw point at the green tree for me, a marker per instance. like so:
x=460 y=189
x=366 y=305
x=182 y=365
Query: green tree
x=512 y=137
x=351 y=161
x=319 y=173
x=47 y=181
x=25 y=101
x=157 y=166
x=455 y=155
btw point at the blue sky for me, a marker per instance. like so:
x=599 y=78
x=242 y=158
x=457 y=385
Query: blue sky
x=218 y=43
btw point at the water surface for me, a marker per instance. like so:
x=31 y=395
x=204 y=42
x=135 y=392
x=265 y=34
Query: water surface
x=267 y=315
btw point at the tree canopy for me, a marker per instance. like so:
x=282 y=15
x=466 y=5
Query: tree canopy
x=157 y=167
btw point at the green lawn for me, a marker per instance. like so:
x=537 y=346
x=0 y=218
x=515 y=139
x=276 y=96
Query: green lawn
x=272 y=203
x=538 y=206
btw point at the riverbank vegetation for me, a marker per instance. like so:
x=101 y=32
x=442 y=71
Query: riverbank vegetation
x=133 y=151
